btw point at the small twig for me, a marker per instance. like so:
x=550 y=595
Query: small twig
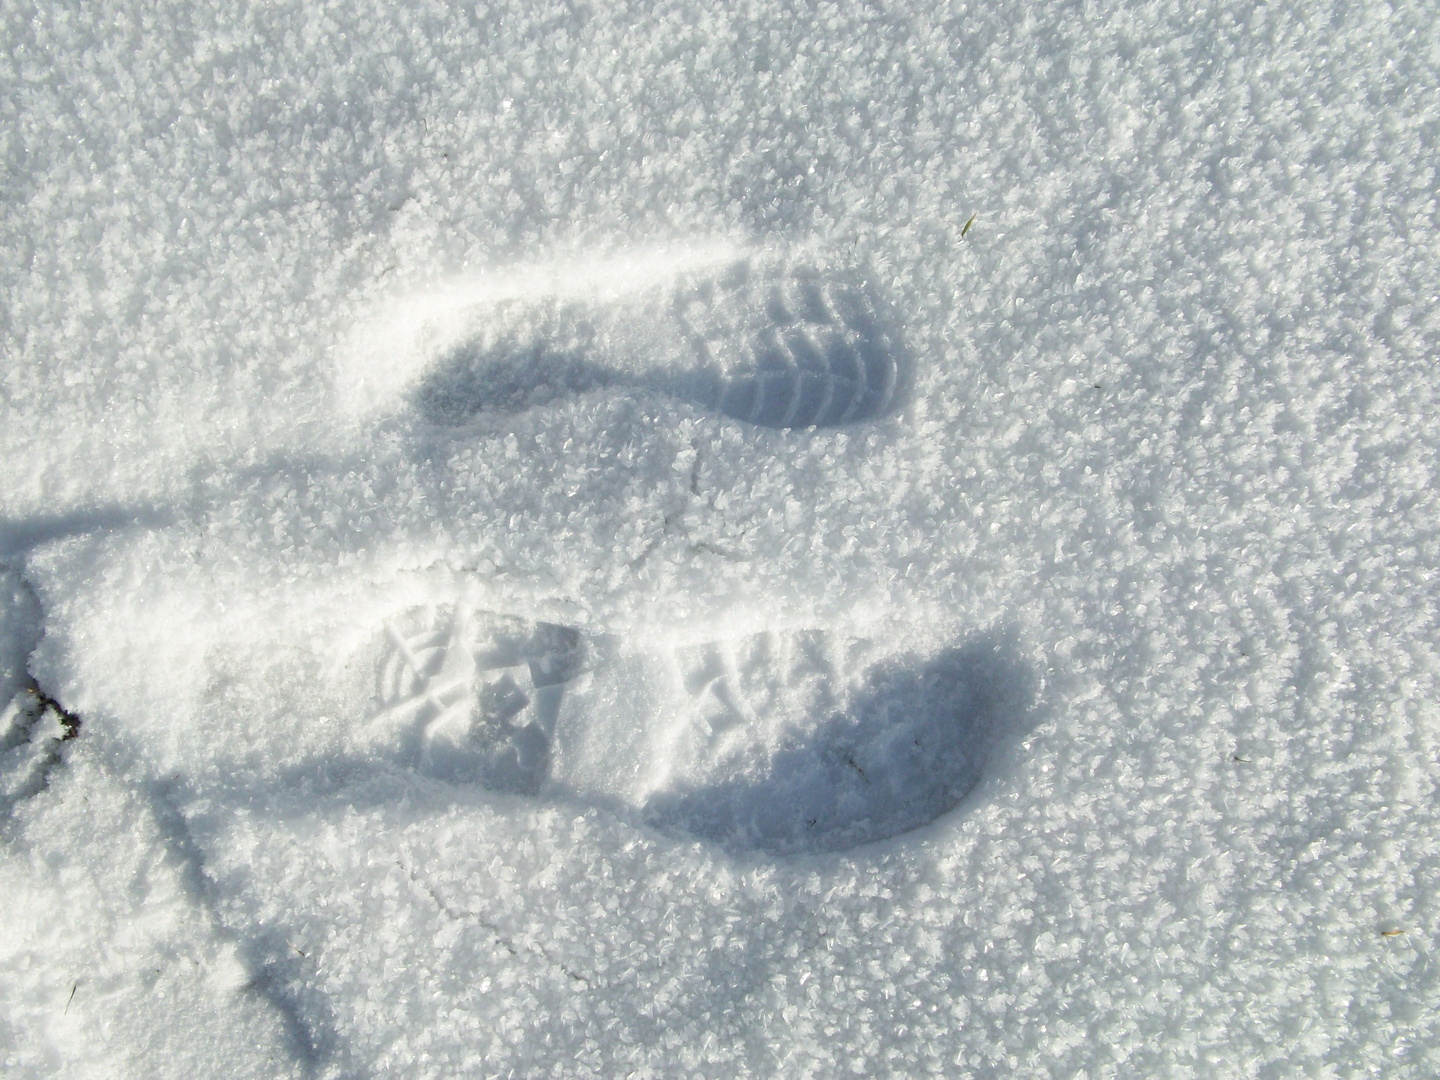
x=850 y=760
x=68 y=720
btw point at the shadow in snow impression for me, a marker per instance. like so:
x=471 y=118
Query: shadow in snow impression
x=905 y=749
x=19 y=535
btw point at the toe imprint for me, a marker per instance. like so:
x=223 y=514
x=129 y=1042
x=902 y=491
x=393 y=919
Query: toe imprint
x=811 y=741
x=790 y=346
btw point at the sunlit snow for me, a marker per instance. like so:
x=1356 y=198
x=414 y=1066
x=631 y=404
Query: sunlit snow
x=719 y=540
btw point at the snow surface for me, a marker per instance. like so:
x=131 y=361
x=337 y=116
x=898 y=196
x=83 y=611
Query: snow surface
x=672 y=539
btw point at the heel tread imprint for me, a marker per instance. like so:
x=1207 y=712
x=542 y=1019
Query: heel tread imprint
x=792 y=348
x=480 y=692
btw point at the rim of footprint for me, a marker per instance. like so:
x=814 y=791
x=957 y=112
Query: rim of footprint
x=779 y=742
x=776 y=342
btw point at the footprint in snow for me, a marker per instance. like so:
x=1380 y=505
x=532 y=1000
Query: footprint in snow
x=778 y=343
x=782 y=742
